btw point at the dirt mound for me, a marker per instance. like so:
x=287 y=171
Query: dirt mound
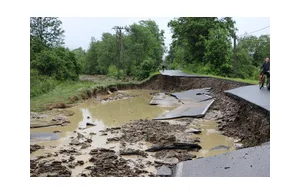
x=35 y=147
x=156 y=132
x=49 y=169
x=107 y=163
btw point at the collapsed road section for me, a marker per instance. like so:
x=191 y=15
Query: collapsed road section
x=125 y=137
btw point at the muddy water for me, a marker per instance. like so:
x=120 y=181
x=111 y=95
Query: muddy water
x=117 y=113
x=211 y=140
x=106 y=114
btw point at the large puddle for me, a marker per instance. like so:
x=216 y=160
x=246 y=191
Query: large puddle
x=117 y=113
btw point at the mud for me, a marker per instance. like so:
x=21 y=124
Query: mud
x=35 y=147
x=155 y=132
x=116 y=145
x=236 y=118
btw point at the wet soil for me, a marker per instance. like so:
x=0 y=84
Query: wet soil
x=116 y=145
x=235 y=117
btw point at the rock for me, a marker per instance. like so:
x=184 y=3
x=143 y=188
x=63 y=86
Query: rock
x=72 y=158
x=220 y=147
x=80 y=162
x=192 y=130
x=103 y=134
x=238 y=145
x=170 y=154
x=171 y=138
x=115 y=128
x=236 y=141
x=90 y=124
x=184 y=155
x=113 y=139
x=130 y=151
x=92 y=133
x=35 y=147
x=57 y=131
x=171 y=161
x=79 y=135
x=185 y=146
x=164 y=171
x=71 y=165
x=84 y=146
x=75 y=142
x=197 y=140
x=64 y=161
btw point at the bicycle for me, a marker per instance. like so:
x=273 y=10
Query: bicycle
x=262 y=81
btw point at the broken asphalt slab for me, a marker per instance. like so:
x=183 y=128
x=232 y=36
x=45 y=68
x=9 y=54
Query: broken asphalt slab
x=196 y=109
x=164 y=100
x=178 y=73
x=248 y=162
x=254 y=95
x=46 y=136
x=196 y=95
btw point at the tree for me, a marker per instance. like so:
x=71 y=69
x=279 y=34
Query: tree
x=80 y=55
x=143 y=47
x=106 y=53
x=47 y=29
x=218 y=50
x=192 y=32
x=91 y=57
x=58 y=62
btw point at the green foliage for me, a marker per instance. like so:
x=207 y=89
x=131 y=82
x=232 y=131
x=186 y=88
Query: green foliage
x=218 y=50
x=113 y=71
x=80 y=56
x=40 y=84
x=57 y=62
x=91 y=58
x=142 y=49
x=191 y=34
x=47 y=29
x=251 y=52
x=204 y=45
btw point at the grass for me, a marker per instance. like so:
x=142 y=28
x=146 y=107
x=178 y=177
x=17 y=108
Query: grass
x=220 y=77
x=60 y=93
x=63 y=91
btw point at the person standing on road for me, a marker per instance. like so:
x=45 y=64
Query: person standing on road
x=163 y=67
x=266 y=67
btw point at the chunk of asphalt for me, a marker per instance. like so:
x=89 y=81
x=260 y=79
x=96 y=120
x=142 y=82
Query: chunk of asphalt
x=164 y=171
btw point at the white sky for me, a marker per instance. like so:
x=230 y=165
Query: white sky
x=79 y=30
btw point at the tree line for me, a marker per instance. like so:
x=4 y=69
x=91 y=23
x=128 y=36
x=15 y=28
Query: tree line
x=199 y=44
x=204 y=45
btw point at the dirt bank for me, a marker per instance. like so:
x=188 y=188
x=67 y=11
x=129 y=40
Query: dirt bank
x=124 y=150
x=236 y=117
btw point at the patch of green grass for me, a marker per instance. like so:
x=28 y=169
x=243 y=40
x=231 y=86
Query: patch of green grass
x=60 y=93
x=220 y=77
x=63 y=91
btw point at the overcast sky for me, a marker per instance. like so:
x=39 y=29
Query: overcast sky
x=79 y=30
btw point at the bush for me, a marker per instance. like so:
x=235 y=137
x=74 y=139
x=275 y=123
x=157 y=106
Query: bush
x=40 y=84
x=112 y=71
x=58 y=62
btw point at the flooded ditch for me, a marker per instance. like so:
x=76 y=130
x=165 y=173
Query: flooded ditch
x=121 y=129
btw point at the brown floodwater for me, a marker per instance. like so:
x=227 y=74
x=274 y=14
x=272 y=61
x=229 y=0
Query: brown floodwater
x=211 y=138
x=117 y=113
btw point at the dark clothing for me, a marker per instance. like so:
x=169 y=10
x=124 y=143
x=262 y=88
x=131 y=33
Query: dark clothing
x=265 y=67
x=267 y=74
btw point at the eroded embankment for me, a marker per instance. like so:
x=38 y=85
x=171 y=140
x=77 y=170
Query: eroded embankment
x=236 y=117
